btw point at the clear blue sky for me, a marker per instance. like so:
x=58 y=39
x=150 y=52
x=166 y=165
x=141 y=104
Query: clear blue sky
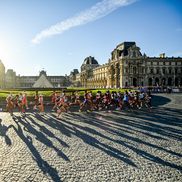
x=155 y=25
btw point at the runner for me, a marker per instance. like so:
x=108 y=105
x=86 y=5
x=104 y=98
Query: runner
x=107 y=100
x=10 y=104
x=87 y=103
x=23 y=104
x=36 y=100
x=126 y=100
x=60 y=107
x=55 y=99
x=25 y=100
x=98 y=101
x=41 y=104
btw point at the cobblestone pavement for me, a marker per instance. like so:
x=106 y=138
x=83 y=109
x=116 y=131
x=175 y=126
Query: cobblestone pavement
x=98 y=146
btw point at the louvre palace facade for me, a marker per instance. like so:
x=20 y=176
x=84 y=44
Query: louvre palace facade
x=9 y=79
x=128 y=67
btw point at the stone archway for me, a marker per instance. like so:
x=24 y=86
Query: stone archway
x=163 y=81
x=135 y=82
x=156 y=81
x=150 y=81
x=176 y=82
x=169 y=83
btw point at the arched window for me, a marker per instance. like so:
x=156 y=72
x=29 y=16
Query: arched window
x=176 y=82
x=176 y=70
x=134 y=70
x=164 y=71
x=157 y=71
x=134 y=82
x=169 y=81
x=150 y=81
x=120 y=53
x=156 y=81
x=163 y=81
x=170 y=70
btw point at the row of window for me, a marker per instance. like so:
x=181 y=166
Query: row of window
x=158 y=63
x=56 y=80
x=100 y=75
x=165 y=81
x=166 y=71
x=156 y=71
x=134 y=70
x=165 y=63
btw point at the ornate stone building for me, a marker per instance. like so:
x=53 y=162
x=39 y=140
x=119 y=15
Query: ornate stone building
x=44 y=81
x=128 y=67
x=11 y=80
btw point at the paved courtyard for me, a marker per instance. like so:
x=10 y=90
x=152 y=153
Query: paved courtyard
x=98 y=146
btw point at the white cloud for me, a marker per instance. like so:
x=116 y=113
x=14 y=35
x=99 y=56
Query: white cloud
x=97 y=11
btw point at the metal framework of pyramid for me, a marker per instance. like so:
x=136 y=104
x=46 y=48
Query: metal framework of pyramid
x=42 y=82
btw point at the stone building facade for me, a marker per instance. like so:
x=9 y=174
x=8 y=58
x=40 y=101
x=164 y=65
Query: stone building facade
x=128 y=67
x=9 y=79
x=44 y=81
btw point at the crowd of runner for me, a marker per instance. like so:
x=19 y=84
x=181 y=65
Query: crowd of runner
x=61 y=102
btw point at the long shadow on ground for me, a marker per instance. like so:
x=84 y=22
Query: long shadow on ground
x=43 y=165
x=158 y=100
x=74 y=129
x=92 y=120
x=3 y=132
x=158 y=125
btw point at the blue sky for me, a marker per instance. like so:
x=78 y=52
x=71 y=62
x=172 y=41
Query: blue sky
x=76 y=29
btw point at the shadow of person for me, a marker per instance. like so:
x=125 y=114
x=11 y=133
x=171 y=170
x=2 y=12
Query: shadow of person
x=43 y=165
x=45 y=130
x=3 y=132
x=105 y=148
x=158 y=100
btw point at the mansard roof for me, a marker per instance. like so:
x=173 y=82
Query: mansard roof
x=127 y=49
x=90 y=60
x=125 y=45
